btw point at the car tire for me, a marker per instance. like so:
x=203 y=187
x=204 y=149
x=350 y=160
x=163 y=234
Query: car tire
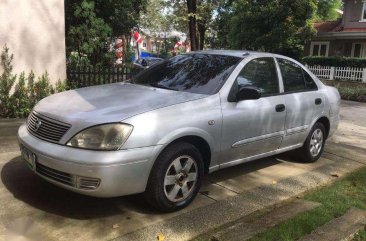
x=175 y=178
x=314 y=144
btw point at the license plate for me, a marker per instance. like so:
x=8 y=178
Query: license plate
x=28 y=156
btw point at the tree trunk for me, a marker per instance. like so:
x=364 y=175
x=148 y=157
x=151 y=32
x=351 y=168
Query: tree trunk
x=201 y=31
x=192 y=24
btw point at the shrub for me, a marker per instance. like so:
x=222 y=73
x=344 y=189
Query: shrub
x=7 y=80
x=335 y=61
x=42 y=88
x=20 y=99
x=349 y=90
x=27 y=92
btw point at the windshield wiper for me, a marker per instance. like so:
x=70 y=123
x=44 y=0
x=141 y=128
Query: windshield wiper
x=162 y=86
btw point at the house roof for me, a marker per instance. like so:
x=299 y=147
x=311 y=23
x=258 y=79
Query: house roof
x=331 y=29
x=328 y=26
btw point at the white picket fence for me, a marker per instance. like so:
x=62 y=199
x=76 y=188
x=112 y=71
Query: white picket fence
x=339 y=73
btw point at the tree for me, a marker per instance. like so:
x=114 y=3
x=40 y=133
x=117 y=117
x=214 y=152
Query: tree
x=327 y=9
x=272 y=25
x=88 y=34
x=91 y=25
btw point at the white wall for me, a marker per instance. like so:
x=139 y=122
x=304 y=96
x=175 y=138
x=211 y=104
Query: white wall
x=34 y=31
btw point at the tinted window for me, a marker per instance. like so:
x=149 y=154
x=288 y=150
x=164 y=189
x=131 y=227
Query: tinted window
x=309 y=82
x=260 y=73
x=195 y=73
x=294 y=77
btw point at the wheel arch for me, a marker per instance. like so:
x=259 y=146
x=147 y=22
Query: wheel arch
x=325 y=121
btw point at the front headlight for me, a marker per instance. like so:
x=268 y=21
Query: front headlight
x=104 y=137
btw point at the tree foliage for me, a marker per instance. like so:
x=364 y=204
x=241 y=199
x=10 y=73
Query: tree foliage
x=89 y=33
x=271 y=25
x=327 y=9
x=91 y=25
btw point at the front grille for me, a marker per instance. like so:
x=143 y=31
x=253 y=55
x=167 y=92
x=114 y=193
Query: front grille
x=86 y=183
x=58 y=176
x=46 y=128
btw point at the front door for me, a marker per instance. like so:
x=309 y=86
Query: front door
x=253 y=127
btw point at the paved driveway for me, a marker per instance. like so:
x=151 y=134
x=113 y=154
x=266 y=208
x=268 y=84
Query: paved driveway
x=32 y=209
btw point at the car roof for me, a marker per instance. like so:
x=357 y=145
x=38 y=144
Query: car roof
x=236 y=53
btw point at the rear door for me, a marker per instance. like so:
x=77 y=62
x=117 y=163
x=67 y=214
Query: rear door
x=304 y=103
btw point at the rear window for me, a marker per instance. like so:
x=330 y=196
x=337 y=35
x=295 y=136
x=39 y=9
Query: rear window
x=195 y=73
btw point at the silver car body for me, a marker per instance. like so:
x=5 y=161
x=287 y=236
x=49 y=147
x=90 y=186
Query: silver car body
x=233 y=132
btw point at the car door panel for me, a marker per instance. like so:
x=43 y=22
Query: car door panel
x=252 y=127
x=301 y=111
x=303 y=101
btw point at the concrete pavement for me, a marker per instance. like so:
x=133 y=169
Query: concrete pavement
x=31 y=208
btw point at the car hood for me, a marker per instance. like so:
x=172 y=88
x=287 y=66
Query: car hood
x=109 y=103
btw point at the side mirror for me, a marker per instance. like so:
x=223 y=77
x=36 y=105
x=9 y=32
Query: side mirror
x=144 y=63
x=248 y=93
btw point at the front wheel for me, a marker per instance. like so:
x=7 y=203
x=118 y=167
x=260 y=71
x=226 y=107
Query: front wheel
x=175 y=178
x=314 y=144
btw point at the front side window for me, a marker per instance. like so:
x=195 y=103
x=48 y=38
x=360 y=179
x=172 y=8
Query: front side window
x=260 y=73
x=363 y=17
x=294 y=77
x=194 y=73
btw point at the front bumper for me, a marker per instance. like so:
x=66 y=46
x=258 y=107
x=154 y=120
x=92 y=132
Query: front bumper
x=120 y=173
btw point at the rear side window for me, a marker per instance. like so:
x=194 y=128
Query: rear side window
x=309 y=82
x=294 y=77
x=260 y=73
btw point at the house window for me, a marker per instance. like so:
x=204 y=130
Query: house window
x=144 y=44
x=358 y=50
x=363 y=16
x=319 y=49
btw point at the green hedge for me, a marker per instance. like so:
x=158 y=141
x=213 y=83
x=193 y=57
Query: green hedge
x=19 y=94
x=335 y=61
x=349 y=90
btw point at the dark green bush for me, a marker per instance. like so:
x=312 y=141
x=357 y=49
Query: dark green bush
x=7 y=80
x=335 y=61
x=20 y=99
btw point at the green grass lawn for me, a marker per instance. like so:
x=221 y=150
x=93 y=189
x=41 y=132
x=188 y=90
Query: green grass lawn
x=349 y=90
x=335 y=199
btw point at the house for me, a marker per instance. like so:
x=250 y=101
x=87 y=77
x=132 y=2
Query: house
x=343 y=37
x=154 y=41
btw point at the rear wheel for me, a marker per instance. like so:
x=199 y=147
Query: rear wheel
x=175 y=178
x=314 y=144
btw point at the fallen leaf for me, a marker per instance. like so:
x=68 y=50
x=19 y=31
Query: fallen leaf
x=274 y=182
x=160 y=237
x=334 y=175
x=115 y=226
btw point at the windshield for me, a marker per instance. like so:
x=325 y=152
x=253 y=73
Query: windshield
x=195 y=73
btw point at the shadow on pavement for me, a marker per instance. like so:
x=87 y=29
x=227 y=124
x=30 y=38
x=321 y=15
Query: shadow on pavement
x=33 y=190
x=38 y=193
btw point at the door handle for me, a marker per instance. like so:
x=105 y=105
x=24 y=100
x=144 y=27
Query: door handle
x=280 y=108
x=318 y=101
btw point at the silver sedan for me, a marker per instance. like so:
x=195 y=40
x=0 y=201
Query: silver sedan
x=176 y=121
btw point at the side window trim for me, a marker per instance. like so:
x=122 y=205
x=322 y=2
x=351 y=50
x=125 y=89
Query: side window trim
x=280 y=79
